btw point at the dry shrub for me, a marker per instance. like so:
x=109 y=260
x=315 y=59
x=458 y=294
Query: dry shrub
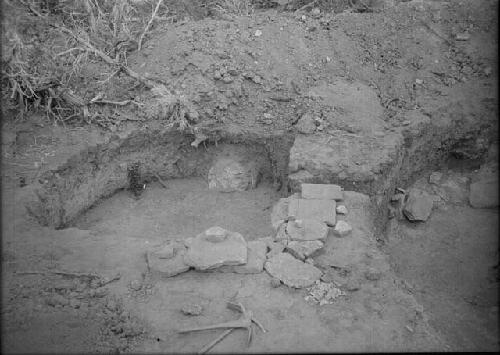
x=236 y=7
x=40 y=63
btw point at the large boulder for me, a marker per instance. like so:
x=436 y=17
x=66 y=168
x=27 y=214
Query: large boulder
x=292 y=272
x=216 y=247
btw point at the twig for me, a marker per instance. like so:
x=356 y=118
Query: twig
x=162 y=183
x=148 y=25
x=119 y=103
x=215 y=341
x=69 y=51
x=63 y=273
x=110 y=77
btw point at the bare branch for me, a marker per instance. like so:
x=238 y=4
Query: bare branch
x=149 y=24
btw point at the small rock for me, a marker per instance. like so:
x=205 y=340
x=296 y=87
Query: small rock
x=342 y=229
x=256 y=79
x=217 y=75
x=292 y=272
x=373 y=274
x=232 y=71
x=435 y=177
x=303 y=17
x=192 y=310
x=57 y=300
x=74 y=303
x=341 y=209
x=419 y=205
x=419 y=81
x=303 y=249
x=275 y=282
x=316 y=11
x=462 y=36
x=352 y=285
x=135 y=285
x=306 y=124
x=227 y=79
x=203 y=254
x=258 y=33
x=309 y=261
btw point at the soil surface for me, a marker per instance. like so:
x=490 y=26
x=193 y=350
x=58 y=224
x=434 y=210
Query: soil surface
x=372 y=101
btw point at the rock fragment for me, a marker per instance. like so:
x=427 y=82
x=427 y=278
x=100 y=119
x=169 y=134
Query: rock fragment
x=303 y=249
x=435 y=177
x=205 y=254
x=292 y=272
x=419 y=205
x=168 y=260
x=341 y=209
x=342 y=229
x=373 y=274
x=305 y=124
x=192 y=309
x=322 y=192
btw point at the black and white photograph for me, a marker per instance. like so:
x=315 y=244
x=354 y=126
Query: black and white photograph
x=249 y=176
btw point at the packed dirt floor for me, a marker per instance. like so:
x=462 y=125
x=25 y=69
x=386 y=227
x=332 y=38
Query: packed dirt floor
x=400 y=98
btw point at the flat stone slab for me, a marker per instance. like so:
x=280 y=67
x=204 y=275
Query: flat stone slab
x=419 y=205
x=319 y=210
x=168 y=260
x=304 y=249
x=322 y=192
x=292 y=272
x=216 y=247
x=256 y=257
x=306 y=229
